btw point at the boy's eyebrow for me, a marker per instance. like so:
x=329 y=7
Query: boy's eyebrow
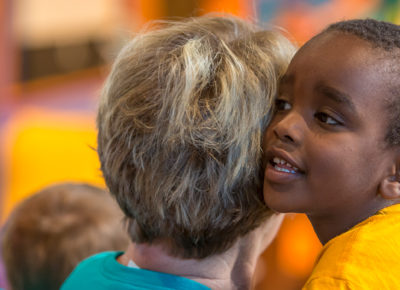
x=336 y=95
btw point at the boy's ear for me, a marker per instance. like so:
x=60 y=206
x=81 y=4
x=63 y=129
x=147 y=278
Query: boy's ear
x=390 y=186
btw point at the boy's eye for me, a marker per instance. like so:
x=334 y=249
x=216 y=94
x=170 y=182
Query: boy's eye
x=325 y=118
x=282 y=105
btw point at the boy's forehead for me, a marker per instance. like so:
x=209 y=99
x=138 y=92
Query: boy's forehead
x=337 y=54
x=345 y=63
x=339 y=46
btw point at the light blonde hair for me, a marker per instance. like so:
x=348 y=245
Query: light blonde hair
x=49 y=233
x=180 y=123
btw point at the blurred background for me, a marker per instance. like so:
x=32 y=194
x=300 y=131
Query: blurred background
x=54 y=55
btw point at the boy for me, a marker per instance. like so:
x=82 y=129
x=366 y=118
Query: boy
x=332 y=152
x=49 y=233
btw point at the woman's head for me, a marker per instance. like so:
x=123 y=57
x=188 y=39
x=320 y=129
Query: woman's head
x=180 y=122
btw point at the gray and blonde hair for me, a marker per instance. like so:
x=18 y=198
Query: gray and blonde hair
x=180 y=123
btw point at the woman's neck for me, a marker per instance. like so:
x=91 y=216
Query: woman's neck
x=232 y=269
x=216 y=272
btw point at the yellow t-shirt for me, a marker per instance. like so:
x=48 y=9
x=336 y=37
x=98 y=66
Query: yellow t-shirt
x=365 y=257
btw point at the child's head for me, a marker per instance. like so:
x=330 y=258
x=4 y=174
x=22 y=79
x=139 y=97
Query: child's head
x=330 y=146
x=180 y=128
x=49 y=233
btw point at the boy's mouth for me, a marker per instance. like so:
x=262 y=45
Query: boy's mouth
x=283 y=166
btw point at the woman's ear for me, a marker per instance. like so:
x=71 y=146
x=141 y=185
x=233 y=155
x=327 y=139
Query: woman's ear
x=390 y=186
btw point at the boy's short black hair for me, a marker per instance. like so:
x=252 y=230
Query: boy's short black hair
x=386 y=36
x=380 y=34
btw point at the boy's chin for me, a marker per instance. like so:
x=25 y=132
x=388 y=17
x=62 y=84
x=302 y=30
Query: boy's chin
x=285 y=199
x=280 y=205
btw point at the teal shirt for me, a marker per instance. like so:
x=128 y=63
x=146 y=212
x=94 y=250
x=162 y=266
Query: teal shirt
x=102 y=271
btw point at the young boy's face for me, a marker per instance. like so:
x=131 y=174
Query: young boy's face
x=325 y=145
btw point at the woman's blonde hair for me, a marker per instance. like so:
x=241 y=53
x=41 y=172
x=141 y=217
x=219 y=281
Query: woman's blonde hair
x=180 y=123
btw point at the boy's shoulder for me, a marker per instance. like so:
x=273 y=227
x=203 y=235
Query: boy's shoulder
x=365 y=255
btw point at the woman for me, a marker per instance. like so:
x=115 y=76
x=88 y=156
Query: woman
x=180 y=126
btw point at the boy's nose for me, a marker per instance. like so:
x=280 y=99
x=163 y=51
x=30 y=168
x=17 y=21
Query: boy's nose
x=290 y=129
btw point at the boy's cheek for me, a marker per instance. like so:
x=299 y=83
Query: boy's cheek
x=268 y=134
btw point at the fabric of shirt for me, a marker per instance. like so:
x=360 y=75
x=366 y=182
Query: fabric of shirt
x=365 y=257
x=102 y=271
